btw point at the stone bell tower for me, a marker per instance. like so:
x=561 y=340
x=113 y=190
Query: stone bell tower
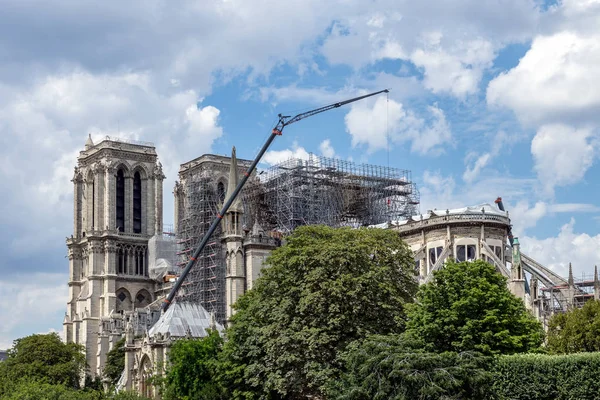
x=117 y=209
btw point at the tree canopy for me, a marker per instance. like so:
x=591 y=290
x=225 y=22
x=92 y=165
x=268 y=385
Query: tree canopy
x=468 y=307
x=192 y=369
x=391 y=367
x=44 y=358
x=322 y=290
x=575 y=331
x=115 y=362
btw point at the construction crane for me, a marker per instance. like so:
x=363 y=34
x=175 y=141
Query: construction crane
x=277 y=130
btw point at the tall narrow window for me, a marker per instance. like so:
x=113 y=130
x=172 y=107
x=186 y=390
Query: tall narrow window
x=221 y=191
x=121 y=261
x=137 y=203
x=93 y=204
x=120 y=206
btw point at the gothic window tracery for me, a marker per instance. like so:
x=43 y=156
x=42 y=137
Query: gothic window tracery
x=221 y=191
x=137 y=203
x=121 y=260
x=120 y=201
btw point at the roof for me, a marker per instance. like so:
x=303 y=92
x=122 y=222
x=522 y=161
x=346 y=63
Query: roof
x=183 y=319
x=480 y=209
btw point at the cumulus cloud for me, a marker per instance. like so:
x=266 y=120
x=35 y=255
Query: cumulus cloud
x=381 y=123
x=453 y=45
x=555 y=81
x=562 y=155
x=555 y=252
x=554 y=89
x=273 y=157
x=326 y=148
x=47 y=125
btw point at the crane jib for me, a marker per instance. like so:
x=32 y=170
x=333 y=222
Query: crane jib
x=277 y=130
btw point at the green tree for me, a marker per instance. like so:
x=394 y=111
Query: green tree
x=390 y=367
x=468 y=307
x=192 y=369
x=115 y=362
x=43 y=358
x=322 y=290
x=27 y=389
x=576 y=331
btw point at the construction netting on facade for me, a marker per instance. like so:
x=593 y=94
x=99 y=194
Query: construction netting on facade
x=162 y=256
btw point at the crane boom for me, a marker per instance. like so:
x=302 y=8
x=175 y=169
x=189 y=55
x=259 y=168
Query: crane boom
x=282 y=123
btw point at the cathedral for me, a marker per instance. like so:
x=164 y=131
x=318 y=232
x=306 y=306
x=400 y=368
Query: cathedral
x=116 y=278
x=122 y=263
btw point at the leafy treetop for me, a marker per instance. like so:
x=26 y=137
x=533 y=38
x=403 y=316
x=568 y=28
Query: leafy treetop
x=576 y=331
x=322 y=290
x=468 y=307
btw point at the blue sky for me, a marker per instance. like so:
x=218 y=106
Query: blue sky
x=494 y=98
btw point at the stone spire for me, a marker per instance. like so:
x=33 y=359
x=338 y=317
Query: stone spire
x=89 y=143
x=236 y=206
x=571 y=280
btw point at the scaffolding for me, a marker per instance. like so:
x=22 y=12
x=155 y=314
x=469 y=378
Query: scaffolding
x=332 y=192
x=206 y=282
x=296 y=192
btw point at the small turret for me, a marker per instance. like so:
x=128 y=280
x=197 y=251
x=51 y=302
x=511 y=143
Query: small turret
x=89 y=143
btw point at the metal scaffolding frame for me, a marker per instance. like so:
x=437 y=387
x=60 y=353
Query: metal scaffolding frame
x=329 y=191
x=293 y=193
x=206 y=282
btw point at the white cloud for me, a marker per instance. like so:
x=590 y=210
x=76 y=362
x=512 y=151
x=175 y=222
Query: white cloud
x=481 y=161
x=273 y=157
x=452 y=44
x=562 y=155
x=557 y=80
x=555 y=252
x=381 y=123
x=48 y=123
x=31 y=304
x=326 y=148
x=458 y=72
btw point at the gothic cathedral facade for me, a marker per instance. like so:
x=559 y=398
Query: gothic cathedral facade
x=118 y=191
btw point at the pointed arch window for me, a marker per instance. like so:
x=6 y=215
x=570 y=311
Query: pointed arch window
x=93 y=204
x=221 y=191
x=120 y=205
x=137 y=203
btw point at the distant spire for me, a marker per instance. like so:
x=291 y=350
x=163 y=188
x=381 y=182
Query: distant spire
x=596 y=282
x=571 y=280
x=89 y=143
x=236 y=206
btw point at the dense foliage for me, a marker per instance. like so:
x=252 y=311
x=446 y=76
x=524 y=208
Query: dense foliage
x=115 y=362
x=43 y=358
x=468 y=307
x=575 y=331
x=42 y=367
x=387 y=367
x=545 y=377
x=192 y=369
x=324 y=289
